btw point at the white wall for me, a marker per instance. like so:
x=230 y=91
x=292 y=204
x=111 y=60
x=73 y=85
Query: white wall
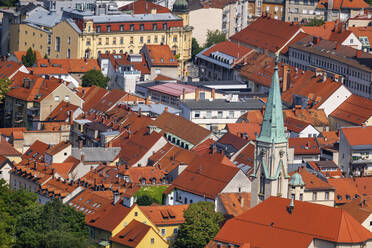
x=203 y=20
x=5 y=173
x=239 y=183
x=335 y=100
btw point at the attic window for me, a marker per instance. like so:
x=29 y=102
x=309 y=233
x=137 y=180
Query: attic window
x=348 y=197
x=339 y=197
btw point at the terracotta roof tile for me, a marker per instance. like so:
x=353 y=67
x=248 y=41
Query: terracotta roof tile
x=6 y=149
x=358 y=208
x=181 y=127
x=249 y=130
x=235 y=203
x=90 y=201
x=355 y=110
x=344 y=4
x=60 y=113
x=345 y=189
x=161 y=55
x=165 y=215
x=148 y=174
x=8 y=68
x=144 y=7
x=123 y=59
x=36 y=151
x=246 y=156
x=203 y=147
x=69 y=65
x=304 y=146
x=315 y=117
x=7 y=132
x=312 y=182
x=329 y=31
x=358 y=135
x=267 y=33
x=132 y=234
x=53 y=150
x=229 y=48
x=109 y=100
x=20 y=54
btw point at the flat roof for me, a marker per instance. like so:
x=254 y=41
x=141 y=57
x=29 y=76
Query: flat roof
x=223 y=104
x=173 y=89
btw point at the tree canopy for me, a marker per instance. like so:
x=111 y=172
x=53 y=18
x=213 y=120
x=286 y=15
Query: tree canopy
x=214 y=37
x=4 y=87
x=94 y=77
x=201 y=224
x=25 y=223
x=30 y=58
x=195 y=48
x=315 y=22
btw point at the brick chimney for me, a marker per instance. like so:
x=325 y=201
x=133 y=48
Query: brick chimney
x=213 y=93
x=316 y=40
x=183 y=94
x=166 y=109
x=197 y=91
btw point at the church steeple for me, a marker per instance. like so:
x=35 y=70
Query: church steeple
x=272 y=130
x=270 y=173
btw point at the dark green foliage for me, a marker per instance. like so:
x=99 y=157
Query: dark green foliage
x=195 y=48
x=315 y=22
x=30 y=58
x=146 y=200
x=25 y=223
x=94 y=77
x=214 y=37
x=8 y=3
x=201 y=225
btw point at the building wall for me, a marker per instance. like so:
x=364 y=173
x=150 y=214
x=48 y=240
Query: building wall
x=49 y=137
x=367 y=223
x=335 y=100
x=152 y=239
x=61 y=93
x=171 y=72
x=352 y=41
x=184 y=198
x=239 y=183
x=297 y=11
x=344 y=154
x=5 y=173
x=309 y=131
x=305 y=157
x=211 y=19
x=169 y=231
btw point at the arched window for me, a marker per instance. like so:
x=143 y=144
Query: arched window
x=262 y=184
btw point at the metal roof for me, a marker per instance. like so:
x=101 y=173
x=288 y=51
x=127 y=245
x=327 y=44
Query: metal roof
x=223 y=104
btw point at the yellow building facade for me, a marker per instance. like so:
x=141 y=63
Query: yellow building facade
x=88 y=36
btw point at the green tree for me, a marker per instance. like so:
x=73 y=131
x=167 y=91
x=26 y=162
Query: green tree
x=315 y=22
x=195 y=48
x=30 y=58
x=201 y=224
x=4 y=87
x=214 y=37
x=51 y=225
x=146 y=200
x=94 y=77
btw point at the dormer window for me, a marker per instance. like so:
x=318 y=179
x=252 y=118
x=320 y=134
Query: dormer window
x=108 y=28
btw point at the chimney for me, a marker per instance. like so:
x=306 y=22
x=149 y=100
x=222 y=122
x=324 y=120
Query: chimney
x=139 y=112
x=82 y=158
x=297 y=109
x=290 y=208
x=166 y=109
x=197 y=91
x=213 y=93
x=116 y=197
x=359 y=53
x=330 y=4
x=337 y=46
x=213 y=149
x=147 y=100
x=316 y=40
x=285 y=78
x=324 y=77
x=70 y=119
x=263 y=110
x=53 y=172
x=337 y=77
x=80 y=144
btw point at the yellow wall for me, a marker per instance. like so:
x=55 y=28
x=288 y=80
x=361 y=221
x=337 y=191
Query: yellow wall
x=141 y=217
x=69 y=39
x=158 y=241
x=169 y=231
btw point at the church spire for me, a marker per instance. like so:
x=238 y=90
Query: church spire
x=272 y=130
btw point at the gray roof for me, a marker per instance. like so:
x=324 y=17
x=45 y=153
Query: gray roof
x=41 y=19
x=73 y=25
x=222 y=104
x=134 y=18
x=96 y=154
x=156 y=108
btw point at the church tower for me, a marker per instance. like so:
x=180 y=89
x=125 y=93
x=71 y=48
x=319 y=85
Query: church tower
x=270 y=175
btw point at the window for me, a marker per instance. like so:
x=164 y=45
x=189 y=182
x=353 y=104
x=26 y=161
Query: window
x=141 y=39
x=175 y=38
x=231 y=114
x=131 y=40
x=58 y=44
x=276 y=8
x=67 y=99
x=69 y=40
x=152 y=241
x=262 y=184
x=301 y=197
x=88 y=42
x=56 y=98
x=121 y=40
x=209 y=114
x=175 y=230
x=351 y=41
x=135 y=213
x=108 y=28
x=142 y=27
x=163 y=39
x=267 y=8
x=131 y=27
x=219 y=114
x=121 y=28
x=315 y=196
x=68 y=53
x=197 y=114
x=114 y=41
x=154 y=26
x=326 y=196
x=99 y=41
x=165 y=26
x=293 y=196
x=156 y=39
x=163 y=232
x=48 y=51
x=98 y=29
x=107 y=41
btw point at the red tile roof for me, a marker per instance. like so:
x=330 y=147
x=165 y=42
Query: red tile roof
x=345 y=189
x=132 y=234
x=308 y=85
x=181 y=127
x=362 y=31
x=109 y=100
x=20 y=54
x=161 y=55
x=270 y=223
x=344 y=4
x=246 y=156
x=205 y=177
x=358 y=135
x=312 y=182
x=31 y=87
x=69 y=65
x=359 y=208
x=295 y=125
x=109 y=218
x=328 y=168
x=267 y=33
x=53 y=150
x=8 y=68
x=235 y=203
x=147 y=174
x=161 y=77
x=90 y=201
x=203 y=147
x=229 y=48
x=329 y=31
x=60 y=113
x=326 y=139
x=36 y=151
x=123 y=59
x=165 y=215
x=249 y=130
x=252 y=116
x=6 y=149
x=235 y=141
x=315 y=117
x=355 y=110
x=50 y=70
x=304 y=146
x=144 y=7
x=7 y=132
x=91 y=96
